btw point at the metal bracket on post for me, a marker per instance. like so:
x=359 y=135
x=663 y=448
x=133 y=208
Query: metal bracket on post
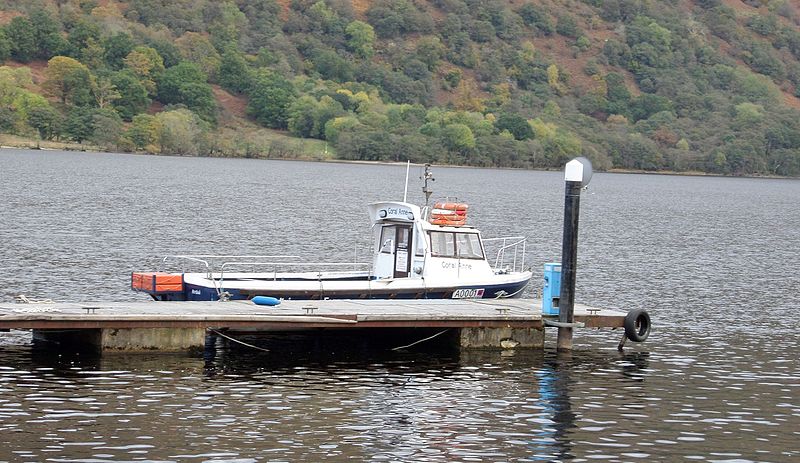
x=557 y=324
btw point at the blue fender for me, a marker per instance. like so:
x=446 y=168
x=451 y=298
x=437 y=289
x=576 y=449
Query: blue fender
x=266 y=300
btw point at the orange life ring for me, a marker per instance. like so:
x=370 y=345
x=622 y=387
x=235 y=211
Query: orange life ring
x=449 y=223
x=447 y=216
x=451 y=206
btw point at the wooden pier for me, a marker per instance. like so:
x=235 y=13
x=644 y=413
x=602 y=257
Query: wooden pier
x=182 y=325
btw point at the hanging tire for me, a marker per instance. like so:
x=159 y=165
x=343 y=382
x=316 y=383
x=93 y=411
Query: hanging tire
x=637 y=325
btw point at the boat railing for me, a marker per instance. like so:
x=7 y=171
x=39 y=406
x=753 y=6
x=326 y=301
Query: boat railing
x=510 y=255
x=209 y=261
x=283 y=265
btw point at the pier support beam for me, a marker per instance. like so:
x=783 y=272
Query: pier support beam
x=163 y=339
x=502 y=337
x=125 y=339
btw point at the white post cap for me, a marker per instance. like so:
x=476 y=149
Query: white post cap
x=573 y=172
x=578 y=170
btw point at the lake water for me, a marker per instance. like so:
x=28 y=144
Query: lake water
x=714 y=260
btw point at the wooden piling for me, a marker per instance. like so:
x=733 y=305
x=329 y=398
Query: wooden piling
x=575 y=176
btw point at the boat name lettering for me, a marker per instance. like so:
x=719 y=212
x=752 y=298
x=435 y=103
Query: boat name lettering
x=395 y=213
x=196 y=291
x=449 y=265
x=468 y=293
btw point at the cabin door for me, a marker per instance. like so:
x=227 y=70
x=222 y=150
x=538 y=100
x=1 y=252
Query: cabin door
x=402 y=261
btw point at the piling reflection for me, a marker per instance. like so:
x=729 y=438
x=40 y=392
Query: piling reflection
x=552 y=437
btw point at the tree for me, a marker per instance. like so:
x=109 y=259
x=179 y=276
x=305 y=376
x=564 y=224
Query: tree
x=174 y=78
x=458 y=137
x=270 y=98
x=554 y=81
x=196 y=48
x=537 y=19
x=179 y=132
x=133 y=97
x=22 y=39
x=24 y=102
x=168 y=51
x=13 y=81
x=360 y=39
x=430 y=51
x=392 y=17
x=116 y=47
x=336 y=126
x=5 y=47
x=617 y=93
x=47 y=33
x=82 y=35
x=143 y=131
x=227 y=27
x=199 y=97
x=46 y=120
x=647 y=104
x=107 y=128
x=234 y=73
x=79 y=124
x=147 y=65
x=105 y=92
x=301 y=116
x=186 y=84
x=69 y=80
x=517 y=125
x=567 y=26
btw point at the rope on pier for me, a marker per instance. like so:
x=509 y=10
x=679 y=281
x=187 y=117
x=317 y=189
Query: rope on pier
x=503 y=295
x=238 y=341
x=421 y=340
x=23 y=299
x=36 y=310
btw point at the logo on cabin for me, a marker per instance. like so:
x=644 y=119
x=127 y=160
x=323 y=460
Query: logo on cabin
x=468 y=293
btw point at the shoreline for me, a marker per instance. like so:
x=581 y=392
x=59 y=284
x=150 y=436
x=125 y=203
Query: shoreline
x=18 y=143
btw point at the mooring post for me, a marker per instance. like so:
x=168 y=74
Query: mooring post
x=577 y=174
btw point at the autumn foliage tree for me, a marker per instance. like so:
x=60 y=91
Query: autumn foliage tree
x=69 y=80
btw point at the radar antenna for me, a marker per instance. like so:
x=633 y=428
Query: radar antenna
x=427 y=175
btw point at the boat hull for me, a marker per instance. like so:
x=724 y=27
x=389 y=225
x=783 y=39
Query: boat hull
x=510 y=286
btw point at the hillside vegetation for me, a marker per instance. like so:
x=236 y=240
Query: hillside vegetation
x=706 y=85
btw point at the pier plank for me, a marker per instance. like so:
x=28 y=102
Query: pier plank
x=290 y=314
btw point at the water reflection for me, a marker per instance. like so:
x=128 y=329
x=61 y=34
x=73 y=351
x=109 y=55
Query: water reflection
x=450 y=405
x=709 y=258
x=552 y=439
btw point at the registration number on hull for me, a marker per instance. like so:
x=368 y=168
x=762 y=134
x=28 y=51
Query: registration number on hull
x=468 y=293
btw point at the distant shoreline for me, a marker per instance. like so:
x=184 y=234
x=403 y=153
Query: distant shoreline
x=15 y=142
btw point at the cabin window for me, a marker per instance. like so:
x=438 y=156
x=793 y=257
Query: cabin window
x=469 y=246
x=419 y=242
x=442 y=244
x=387 y=240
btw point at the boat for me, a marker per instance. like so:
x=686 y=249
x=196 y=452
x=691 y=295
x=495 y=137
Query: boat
x=418 y=253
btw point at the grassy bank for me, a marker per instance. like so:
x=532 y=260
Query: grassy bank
x=242 y=142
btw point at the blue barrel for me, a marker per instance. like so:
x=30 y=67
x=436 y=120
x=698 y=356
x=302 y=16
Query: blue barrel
x=552 y=288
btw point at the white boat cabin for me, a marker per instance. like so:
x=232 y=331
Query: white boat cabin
x=407 y=245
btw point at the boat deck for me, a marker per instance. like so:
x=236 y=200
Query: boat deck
x=290 y=314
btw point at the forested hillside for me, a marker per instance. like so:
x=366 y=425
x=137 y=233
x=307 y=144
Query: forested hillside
x=679 y=85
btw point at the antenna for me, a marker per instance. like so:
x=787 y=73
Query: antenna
x=427 y=175
x=405 y=192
